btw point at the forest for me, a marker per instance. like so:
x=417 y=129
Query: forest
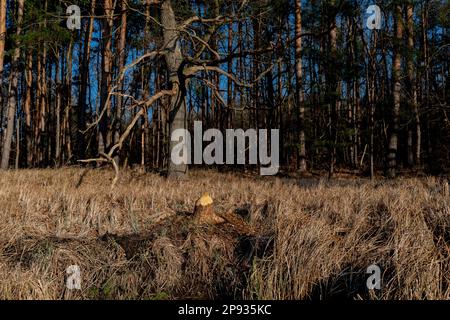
x=117 y=85
x=115 y=117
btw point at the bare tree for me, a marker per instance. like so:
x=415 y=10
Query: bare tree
x=174 y=59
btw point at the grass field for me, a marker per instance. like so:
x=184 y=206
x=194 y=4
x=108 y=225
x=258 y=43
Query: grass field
x=315 y=239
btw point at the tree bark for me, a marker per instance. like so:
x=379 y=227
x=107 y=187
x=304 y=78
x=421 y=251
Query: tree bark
x=174 y=59
x=43 y=103
x=2 y=51
x=333 y=90
x=68 y=126
x=58 y=110
x=105 y=137
x=84 y=75
x=413 y=87
x=122 y=57
x=299 y=88
x=393 y=140
x=229 y=114
x=2 y=37
x=12 y=95
x=28 y=100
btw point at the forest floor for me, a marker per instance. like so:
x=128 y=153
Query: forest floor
x=315 y=239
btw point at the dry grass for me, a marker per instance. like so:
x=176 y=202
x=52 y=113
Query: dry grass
x=315 y=239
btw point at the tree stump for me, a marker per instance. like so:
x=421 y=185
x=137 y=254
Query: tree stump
x=204 y=211
x=204 y=214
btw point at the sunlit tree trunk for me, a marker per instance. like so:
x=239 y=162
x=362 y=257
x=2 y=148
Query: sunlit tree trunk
x=105 y=137
x=68 y=125
x=27 y=107
x=12 y=95
x=174 y=58
x=58 y=110
x=84 y=77
x=121 y=64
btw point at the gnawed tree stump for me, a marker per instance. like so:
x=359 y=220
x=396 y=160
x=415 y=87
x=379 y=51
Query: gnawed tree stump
x=204 y=214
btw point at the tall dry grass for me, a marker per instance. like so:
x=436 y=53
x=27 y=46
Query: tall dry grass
x=315 y=238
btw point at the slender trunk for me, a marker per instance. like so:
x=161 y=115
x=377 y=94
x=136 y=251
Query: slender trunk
x=371 y=75
x=229 y=82
x=256 y=70
x=105 y=100
x=43 y=107
x=357 y=97
x=44 y=136
x=28 y=100
x=12 y=95
x=2 y=40
x=299 y=88
x=334 y=94
x=69 y=127
x=17 y=161
x=84 y=74
x=146 y=136
x=2 y=32
x=413 y=87
x=122 y=57
x=426 y=93
x=393 y=140
x=58 y=111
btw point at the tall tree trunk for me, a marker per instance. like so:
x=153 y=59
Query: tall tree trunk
x=333 y=89
x=174 y=59
x=371 y=90
x=2 y=38
x=84 y=75
x=68 y=126
x=426 y=58
x=122 y=57
x=413 y=86
x=393 y=140
x=299 y=88
x=28 y=101
x=229 y=81
x=105 y=100
x=146 y=134
x=2 y=48
x=12 y=95
x=43 y=105
x=356 y=93
x=58 y=110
